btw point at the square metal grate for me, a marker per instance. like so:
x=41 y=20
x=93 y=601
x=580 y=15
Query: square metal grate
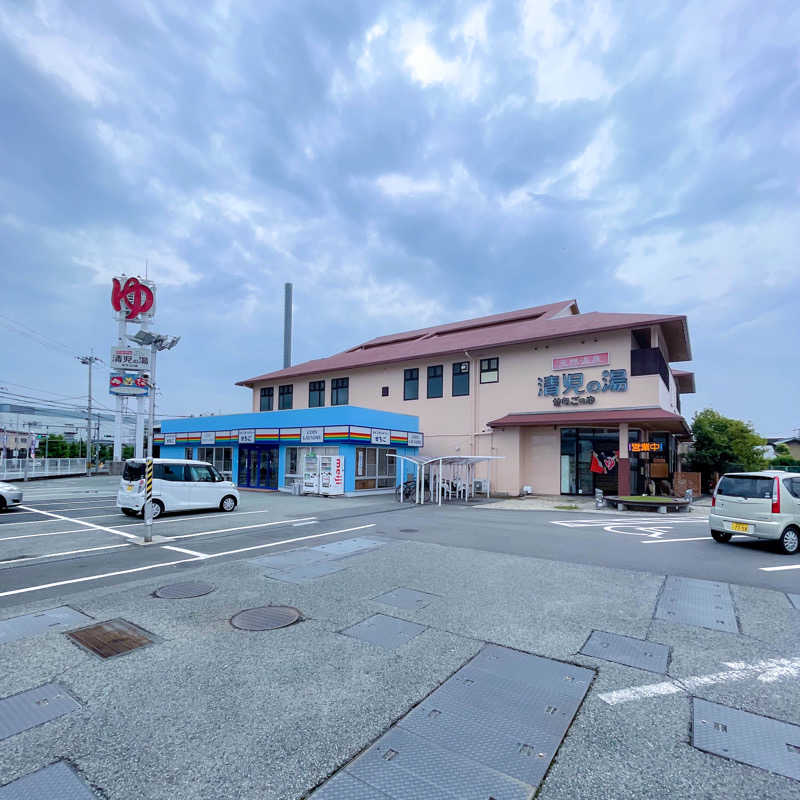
x=626 y=650
x=689 y=601
x=34 y=707
x=28 y=625
x=56 y=782
x=490 y=731
x=749 y=738
x=408 y=599
x=112 y=638
x=384 y=631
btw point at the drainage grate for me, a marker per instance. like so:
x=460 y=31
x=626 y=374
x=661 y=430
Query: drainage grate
x=489 y=731
x=180 y=591
x=112 y=638
x=31 y=624
x=627 y=650
x=749 y=738
x=794 y=599
x=409 y=530
x=347 y=547
x=405 y=598
x=265 y=618
x=690 y=601
x=384 y=631
x=56 y=781
x=34 y=707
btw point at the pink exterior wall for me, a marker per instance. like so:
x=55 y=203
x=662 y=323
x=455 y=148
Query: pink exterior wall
x=458 y=425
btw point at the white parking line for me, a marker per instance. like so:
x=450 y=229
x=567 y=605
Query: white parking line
x=242 y=528
x=767 y=671
x=300 y=524
x=689 y=539
x=779 y=569
x=87 y=524
x=184 y=550
x=34 y=535
x=86 y=578
x=64 y=553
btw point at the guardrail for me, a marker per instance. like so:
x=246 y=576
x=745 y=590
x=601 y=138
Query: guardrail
x=22 y=468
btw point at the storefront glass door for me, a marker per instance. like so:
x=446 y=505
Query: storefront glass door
x=258 y=467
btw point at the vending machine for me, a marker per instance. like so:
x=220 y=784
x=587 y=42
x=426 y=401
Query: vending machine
x=331 y=475
x=310 y=474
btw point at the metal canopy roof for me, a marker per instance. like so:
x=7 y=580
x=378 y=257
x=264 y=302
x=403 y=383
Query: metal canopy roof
x=422 y=461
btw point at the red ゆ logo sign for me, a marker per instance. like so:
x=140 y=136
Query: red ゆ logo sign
x=135 y=296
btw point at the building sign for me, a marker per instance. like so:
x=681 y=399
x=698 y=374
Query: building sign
x=247 y=437
x=569 y=389
x=312 y=435
x=646 y=447
x=170 y=439
x=208 y=437
x=380 y=436
x=133 y=299
x=134 y=359
x=133 y=385
x=414 y=439
x=572 y=362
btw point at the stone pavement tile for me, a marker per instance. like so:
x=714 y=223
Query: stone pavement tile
x=768 y=616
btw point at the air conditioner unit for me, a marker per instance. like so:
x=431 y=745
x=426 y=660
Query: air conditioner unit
x=478 y=487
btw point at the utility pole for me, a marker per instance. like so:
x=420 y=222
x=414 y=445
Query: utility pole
x=88 y=361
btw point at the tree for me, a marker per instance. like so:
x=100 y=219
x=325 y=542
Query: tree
x=722 y=443
x=783 y=457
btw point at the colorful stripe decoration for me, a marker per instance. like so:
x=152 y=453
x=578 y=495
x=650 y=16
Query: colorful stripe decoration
x=158 y=438
x=266 y=434
x=360 y=434
x=226 y=437
x=337 y=432
x=290 y=434
x=187 y=438
x=399 y=437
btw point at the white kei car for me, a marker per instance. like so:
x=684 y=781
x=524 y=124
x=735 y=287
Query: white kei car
x=178 y=485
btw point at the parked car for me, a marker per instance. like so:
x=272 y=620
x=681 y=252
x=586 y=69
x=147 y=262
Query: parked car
x=10 y=495
x=178 y=485
x=764 y=505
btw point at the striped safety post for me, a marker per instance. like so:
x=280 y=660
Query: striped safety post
x=148 y=499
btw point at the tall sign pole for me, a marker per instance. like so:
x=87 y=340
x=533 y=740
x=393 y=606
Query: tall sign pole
x=152 y=414
x=88 y=361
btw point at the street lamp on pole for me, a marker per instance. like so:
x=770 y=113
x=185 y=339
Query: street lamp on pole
x=157 y=342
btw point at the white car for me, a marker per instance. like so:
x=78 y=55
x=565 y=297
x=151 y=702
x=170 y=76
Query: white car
x=178 y=485
x=10 y=495
x=764 y=505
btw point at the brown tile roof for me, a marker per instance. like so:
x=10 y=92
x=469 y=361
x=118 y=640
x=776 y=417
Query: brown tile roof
x=655 y=418
x=552 y=321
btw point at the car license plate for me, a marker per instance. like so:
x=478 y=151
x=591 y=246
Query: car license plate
x=129 y=488
x=740 y=526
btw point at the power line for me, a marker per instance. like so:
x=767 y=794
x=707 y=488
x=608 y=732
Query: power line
x=33 y=335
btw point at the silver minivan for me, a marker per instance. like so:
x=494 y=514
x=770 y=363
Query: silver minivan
x=765 y=505
x=178 y=485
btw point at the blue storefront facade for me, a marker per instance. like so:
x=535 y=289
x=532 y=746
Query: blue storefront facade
x=267 y=450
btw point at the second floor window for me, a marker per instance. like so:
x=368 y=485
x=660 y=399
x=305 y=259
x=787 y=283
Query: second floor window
x=410 y=384
x=285 y=394
x=461 y=379
x=340 y=391
x=435 y=381
x=265 y=399
x=316 y=394
x=490 y=372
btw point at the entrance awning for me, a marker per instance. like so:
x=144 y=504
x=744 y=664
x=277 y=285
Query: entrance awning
x=648 y=418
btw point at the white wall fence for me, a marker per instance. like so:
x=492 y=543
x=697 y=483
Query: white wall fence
x=16 y=468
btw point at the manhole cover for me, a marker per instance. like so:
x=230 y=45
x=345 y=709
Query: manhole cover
x=265 y=618
x=112 y=638
x=179 y=591
x=409 y=530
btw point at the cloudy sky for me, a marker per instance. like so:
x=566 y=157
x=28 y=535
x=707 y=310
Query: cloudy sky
x=403 y=164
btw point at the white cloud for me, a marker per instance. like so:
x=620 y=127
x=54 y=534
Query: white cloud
x=396 y=185
x=565 y=42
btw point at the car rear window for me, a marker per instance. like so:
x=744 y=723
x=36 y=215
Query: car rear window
x=133 y=471
x=754 y=486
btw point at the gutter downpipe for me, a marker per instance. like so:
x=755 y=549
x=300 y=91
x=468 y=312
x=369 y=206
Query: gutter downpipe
x=473 y=380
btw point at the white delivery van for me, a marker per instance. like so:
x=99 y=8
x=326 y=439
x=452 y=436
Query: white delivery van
x=178 y=485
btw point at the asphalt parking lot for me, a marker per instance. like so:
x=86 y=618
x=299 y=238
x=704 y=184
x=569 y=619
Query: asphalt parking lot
x=336 y=703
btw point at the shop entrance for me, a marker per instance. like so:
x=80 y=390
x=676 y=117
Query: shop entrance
x=590 y=460
x=258 y=467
